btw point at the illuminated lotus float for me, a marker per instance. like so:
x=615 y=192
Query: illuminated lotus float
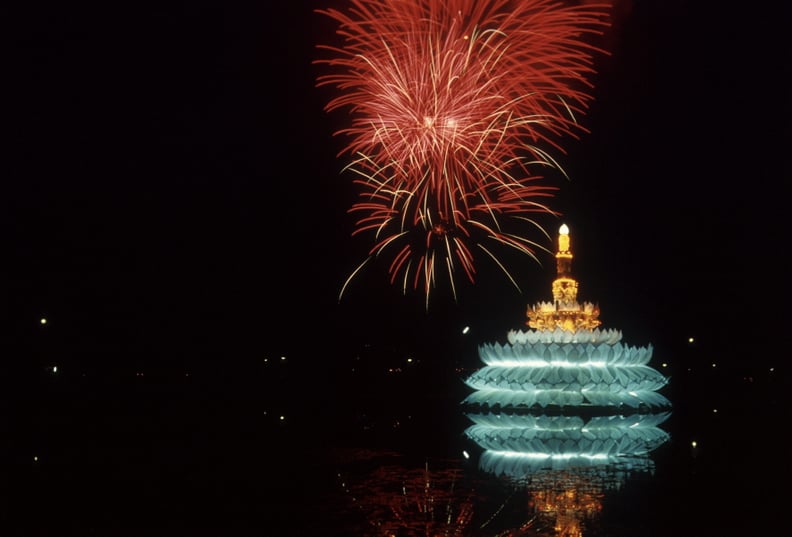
x=566 y=410
x=592 y=368
x=566 y=360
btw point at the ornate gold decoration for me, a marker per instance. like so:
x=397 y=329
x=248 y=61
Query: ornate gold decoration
x=564 y=312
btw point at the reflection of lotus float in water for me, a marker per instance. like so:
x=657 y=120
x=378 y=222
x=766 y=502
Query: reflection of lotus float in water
x=519 y=445
x=567 y=464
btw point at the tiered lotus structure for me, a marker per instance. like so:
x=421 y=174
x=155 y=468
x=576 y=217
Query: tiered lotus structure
x=566 y=359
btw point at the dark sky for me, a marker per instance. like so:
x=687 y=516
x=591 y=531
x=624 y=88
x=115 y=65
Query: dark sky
x=172 y=186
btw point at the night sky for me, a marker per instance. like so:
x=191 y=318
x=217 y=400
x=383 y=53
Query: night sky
x=173 y=192
x=173 y=204
x=173 y=186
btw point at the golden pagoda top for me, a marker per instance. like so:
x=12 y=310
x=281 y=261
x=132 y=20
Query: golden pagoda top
x=564 y=312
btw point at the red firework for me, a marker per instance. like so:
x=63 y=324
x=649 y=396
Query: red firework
x=452 y=103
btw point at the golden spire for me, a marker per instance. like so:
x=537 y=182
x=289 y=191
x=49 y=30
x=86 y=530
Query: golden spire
x=564 y=312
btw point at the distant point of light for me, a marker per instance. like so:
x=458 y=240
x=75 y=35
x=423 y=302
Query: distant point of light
x=35 y=458
x=691 y=340
x=466 y=330
x=43 y=320
x=409 y=360
x=714 y=410
x=283 y=358
x=282 y=418
x=713 y=364
x=772 y=369
x=54 y=369
x=694 y=444
x=564 y=229
x=465 y=454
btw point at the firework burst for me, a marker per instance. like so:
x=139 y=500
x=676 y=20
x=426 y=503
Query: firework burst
x=453 y=107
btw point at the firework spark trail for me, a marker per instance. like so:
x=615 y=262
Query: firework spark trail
x=452 y=104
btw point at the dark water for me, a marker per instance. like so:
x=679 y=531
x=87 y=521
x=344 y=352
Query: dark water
x=275 y=448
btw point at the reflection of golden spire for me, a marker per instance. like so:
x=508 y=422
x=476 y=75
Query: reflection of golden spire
x=569 y=507
x=564 y=312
